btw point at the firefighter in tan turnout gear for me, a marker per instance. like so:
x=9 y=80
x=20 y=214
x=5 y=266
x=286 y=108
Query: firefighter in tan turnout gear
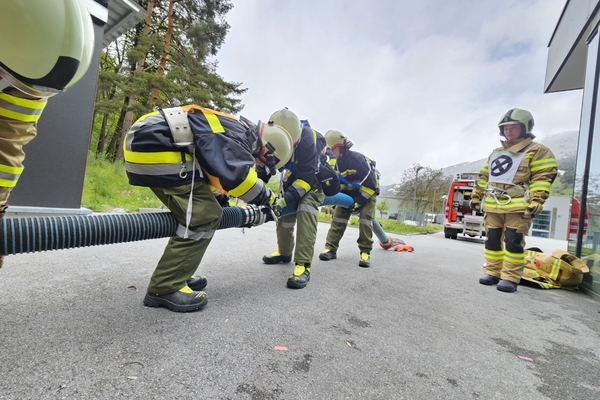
x=45 y=47
x=184 y=154
x=513 y=184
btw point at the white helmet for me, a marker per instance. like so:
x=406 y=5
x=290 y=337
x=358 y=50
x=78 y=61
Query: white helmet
x=45 y=45
x=288 y=121
x=274 y=141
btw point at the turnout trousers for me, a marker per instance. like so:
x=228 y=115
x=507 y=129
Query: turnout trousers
x=339 y=222
x=13 y=136
x=306 y=219
x=183 y=255
x=504 y=255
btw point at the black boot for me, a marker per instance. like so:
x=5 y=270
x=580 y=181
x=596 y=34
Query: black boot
x=276 y=258
x=300 y=277
x=327 y=255
x=507 y=286
x=488 y=280
x=184 y=300
x=365 y=260
x=197 y=283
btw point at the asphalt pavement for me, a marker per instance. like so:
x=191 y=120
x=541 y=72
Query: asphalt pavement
x=413 y=326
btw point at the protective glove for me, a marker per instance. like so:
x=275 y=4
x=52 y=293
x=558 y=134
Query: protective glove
x=223 y=200
x=475 y=204
x=279 y=206
x=355 y=207
x=272 y=198
x=535 y=207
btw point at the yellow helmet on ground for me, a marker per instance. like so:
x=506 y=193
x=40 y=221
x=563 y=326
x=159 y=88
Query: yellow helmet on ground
x=516 y=116
x=45 y=46
x=276 y=141
x=336 y=139
x=288 y=121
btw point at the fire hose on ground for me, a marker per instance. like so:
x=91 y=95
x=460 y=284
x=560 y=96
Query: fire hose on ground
x=33 y=234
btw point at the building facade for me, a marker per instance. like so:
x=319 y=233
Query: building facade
x=574 y=63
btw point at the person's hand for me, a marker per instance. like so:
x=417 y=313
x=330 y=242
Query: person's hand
x=273 y=198
x=475 y=204
x=279 y=206
x=355 y=207
x=534 y=209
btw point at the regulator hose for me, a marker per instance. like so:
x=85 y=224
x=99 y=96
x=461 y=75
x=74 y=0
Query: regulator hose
x=28 y=235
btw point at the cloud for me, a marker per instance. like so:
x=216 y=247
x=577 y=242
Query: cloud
x=409 y=82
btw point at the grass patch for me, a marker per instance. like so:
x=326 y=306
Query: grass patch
x=390 y=225
x=106 y=187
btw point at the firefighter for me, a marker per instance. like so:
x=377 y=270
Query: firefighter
x=301 y=186
x=513 y=184
x=182 y=154
x=359 y=179
x=45 y=47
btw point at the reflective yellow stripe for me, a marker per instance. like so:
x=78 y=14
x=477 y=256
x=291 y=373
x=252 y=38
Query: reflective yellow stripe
x=302 y=184
x=493 y=255
x=546 y=163
x=540 y=186
x=11 y=170
x=25 y=110
x=213 y=121
x=367 y=190
x=555 y=269
x=514 y=203
x=485 y=168
x=27 y=103
x=245 y=186
x=162 y=157
x=517 y=258
x=8 y=183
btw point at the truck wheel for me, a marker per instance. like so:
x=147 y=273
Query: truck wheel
x=449 y=233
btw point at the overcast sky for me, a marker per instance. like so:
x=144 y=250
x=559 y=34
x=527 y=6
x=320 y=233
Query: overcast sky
x=407 y=81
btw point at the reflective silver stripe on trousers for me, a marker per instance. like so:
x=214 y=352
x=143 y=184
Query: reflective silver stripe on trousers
x=307 y=208
x=19 y=109
x=286 y=225
x=368 y=222
x=9 y=177
x=193 y=234
x=340 y=220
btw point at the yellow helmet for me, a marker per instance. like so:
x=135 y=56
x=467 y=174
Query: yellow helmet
x=45 y=46
x=336 y=139
x=276 y=141
x=288 y=121
x=516 y=116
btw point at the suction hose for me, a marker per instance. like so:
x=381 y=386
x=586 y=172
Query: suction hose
x=343 y=200
x=28 y=235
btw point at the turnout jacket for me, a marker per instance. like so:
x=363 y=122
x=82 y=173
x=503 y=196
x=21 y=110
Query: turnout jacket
x=358 y=177
x=300 y=173
x=221 y=148
x=532 y=180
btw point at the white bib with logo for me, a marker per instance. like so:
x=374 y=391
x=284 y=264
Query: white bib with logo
x=503 y=166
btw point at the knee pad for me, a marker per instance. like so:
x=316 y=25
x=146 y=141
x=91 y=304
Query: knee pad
x=494 y=236
x=512 y=240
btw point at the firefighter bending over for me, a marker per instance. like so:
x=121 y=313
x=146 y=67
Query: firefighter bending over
x=45 y=47
x=359 y=179
x=514 y=184
x=301 y=186
x=184 y=154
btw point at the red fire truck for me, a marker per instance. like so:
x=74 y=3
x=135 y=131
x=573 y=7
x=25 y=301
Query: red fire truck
x=459 y=217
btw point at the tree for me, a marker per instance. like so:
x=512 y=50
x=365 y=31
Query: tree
x=164 y=61
x=425 y=187
x=382 y=206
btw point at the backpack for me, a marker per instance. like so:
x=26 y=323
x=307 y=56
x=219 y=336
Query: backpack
x=559 y=270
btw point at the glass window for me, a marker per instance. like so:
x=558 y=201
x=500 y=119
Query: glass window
x=541 y=224
x=588 y=186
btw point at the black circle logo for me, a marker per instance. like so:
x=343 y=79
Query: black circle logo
x=501 y=165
